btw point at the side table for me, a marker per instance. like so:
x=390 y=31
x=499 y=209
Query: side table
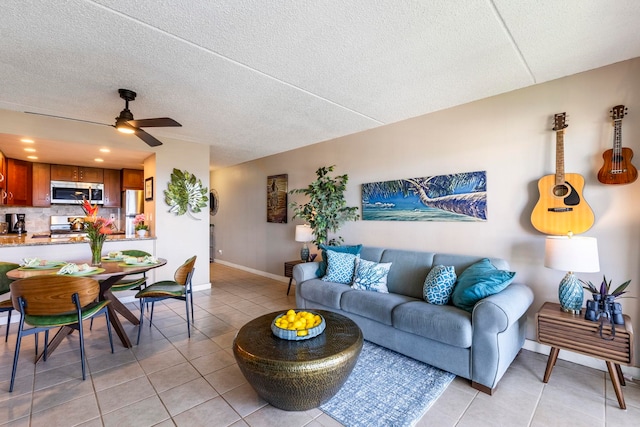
x=565 y=331
x=288 y=271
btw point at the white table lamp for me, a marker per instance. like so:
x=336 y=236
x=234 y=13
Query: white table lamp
x=304 y=234
x=571 y=254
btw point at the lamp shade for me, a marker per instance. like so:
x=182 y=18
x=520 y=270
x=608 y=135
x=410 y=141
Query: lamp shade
x=304 y=233
x=576 y=254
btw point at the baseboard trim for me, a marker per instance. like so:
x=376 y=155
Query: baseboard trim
x=251 y=270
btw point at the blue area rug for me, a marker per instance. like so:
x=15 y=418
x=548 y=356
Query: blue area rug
x=386 y=389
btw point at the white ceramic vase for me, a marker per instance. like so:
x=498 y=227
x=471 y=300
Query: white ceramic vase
x=141 y=233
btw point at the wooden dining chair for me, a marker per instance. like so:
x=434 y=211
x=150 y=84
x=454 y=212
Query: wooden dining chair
x=179 y=288
x=5 y=305
x=128 y=284
x=51 y=301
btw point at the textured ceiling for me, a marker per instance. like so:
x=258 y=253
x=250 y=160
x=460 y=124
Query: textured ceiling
x=253 y=78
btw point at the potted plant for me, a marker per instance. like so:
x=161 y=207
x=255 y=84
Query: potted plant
x=141 y=228
x=327 y=208
x=603 y=302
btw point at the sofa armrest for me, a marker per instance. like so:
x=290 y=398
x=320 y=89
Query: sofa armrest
x=305 y=271
x=498 y=312
x=498 y=324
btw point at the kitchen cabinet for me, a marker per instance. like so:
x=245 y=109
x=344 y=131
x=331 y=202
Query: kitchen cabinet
x=19 y=176
x=112 y=193
x=132 y=179
x=76 y=173
x=41 y=184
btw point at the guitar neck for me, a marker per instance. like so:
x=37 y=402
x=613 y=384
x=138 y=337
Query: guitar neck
x=617 y=137
x=560 y=157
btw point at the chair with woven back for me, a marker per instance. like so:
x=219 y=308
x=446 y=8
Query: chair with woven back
x=5 y=305
x=178 y=288
x=51 y=301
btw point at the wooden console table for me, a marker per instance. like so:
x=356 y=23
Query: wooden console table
x=288 y=271
x=565 y=331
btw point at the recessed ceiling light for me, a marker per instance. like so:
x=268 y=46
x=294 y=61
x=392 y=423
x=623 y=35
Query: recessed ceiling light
x=99 y=160
x=105 y=150
x=32 y=157
x=27 y=140
x=30 y=150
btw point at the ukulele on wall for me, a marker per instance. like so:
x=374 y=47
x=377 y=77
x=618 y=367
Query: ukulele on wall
x=561 y=208
x=617 y=168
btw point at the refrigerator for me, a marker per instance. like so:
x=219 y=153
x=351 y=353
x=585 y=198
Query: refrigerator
x=132 y=205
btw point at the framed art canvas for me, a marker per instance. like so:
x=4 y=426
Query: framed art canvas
x=453 y=197
x=148 y=189
x=277 y=198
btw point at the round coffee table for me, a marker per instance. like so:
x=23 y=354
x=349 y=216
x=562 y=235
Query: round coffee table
x=298 y=375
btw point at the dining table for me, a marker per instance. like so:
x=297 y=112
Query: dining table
x=107 y=275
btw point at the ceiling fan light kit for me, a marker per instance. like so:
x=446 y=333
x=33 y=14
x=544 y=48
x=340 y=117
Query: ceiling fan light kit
x=125 y=122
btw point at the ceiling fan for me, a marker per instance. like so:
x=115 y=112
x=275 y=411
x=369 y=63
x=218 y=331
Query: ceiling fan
x=125 y=122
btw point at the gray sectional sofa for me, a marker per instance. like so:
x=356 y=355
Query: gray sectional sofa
x=478 y=346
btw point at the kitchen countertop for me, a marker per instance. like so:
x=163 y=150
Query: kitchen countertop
x=29 y=240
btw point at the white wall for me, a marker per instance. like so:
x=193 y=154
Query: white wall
x=179 y=237
x=509 y=136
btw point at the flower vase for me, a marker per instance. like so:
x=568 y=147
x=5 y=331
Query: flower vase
x=96 y=252
x=142 y=233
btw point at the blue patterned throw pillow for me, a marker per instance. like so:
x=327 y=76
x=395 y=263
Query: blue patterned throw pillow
x=340 y=267
x=371 y=276
x=439 y=284
x=322 y=266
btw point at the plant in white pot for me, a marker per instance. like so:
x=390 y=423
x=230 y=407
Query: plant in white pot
x=326 y=210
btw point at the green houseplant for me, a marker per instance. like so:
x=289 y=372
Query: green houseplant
x=327 y=208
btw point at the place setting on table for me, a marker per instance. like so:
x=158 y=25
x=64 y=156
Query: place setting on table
x=114 y=267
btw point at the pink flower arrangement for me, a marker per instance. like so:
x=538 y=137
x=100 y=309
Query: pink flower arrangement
x=138 y=221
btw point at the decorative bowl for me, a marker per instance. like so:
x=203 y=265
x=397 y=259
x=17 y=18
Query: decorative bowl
x=292 y=335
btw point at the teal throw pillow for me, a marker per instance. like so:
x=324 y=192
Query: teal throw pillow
x=479 y=281
x=371 y=276
x=439 y=284
x=340 y=267
x=322 y=268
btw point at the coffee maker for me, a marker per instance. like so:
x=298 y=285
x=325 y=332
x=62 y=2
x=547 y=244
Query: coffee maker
x=16 y=223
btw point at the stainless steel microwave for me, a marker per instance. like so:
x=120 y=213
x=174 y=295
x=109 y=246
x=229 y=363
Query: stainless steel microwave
x=64 y=192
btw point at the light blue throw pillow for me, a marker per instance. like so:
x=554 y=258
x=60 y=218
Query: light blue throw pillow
x=439 y=284
x=479 y=281
x=340 y=267
x=371 y=276
x=322 y=266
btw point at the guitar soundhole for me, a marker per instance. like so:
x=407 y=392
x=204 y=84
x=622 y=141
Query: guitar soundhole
x=560 y=190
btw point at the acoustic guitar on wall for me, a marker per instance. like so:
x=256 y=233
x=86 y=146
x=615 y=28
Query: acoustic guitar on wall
x=617 y=168
x=561 y=208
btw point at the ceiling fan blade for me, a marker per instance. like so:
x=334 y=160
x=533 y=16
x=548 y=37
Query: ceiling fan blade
x=149 y=139
x=68 y=118
x=157 y=122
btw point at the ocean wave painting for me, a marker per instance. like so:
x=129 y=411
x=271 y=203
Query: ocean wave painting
x=453 y=197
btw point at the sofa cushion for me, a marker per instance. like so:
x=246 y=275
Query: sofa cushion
x=371 y=276
x=340 y=267
x=443 y=323
x=477 y=282
x=408 y=271
x=373 y=305
x=439 y=284
x=325 y=293
x=322 y=267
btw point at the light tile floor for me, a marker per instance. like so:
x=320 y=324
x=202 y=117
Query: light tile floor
x=172 y=380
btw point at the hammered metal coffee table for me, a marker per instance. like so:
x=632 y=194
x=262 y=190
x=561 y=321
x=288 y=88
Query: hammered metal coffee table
x=298 y=375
